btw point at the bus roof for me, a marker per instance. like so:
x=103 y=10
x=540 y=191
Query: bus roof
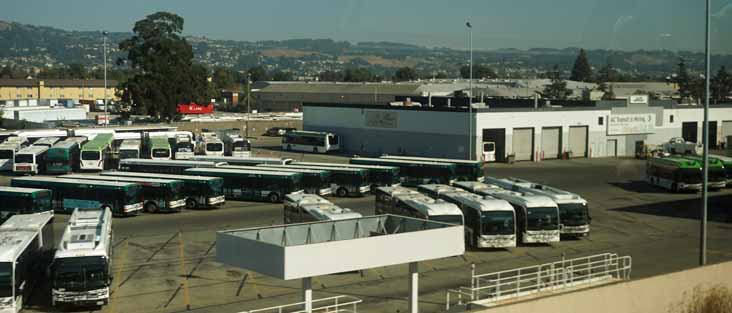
x=130 y=144
x=329 y=211
x=724 y=159
x=474 y=186
x=188 y=163
x=69 y=143
x=218 y=170
x=264 y=167
x=138 y=180
x=347 y=165
x=327 y=168
x=556 y=194
x=713 y=162
x=159 y=142
x=305 y=198
x=430 y=206
x=32 y=150
x=480 y=203
x=86 y=234
x=55 y=180
x=397 y=190
x=233 y=160
x=307 y=133
x=21 y=190
x=438 y=188
x=100 y=142
x=518 y=198
x=48 y=141
x=402 y=162
x=675 y=161
x=439 y=160
x=19 y=231
x=163 y=176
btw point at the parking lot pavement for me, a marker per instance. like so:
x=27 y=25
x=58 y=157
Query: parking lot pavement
x=658 y=229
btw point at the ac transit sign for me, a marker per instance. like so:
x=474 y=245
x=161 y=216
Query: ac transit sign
x=628 y=124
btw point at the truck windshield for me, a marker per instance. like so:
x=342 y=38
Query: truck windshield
x=542 y=218
x=497 y=223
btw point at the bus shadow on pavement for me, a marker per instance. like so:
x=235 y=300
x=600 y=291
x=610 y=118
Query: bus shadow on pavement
x=638 y=186
x=719 y=208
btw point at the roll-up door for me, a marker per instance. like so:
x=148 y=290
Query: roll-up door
x=551 y=142
x=578 y=141
x=523 y=143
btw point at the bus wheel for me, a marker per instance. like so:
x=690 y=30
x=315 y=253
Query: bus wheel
x=191 y=204
x=315 y=150
x=342 y=192
x=151 y=207
x=675 y=187
x=289 y=147
x=274 y=197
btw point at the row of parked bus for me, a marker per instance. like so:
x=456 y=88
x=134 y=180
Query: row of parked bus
x=684 y=172
x=78 y=269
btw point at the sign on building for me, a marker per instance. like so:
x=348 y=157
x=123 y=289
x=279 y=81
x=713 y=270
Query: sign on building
x=628 y=124
x=638 y=99
x=382 y=119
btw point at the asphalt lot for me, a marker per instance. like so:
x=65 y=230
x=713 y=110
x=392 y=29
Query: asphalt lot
x=658 y=229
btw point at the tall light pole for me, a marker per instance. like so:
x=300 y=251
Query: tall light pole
x=106 y=116
x=470 y=98
x=705 y=133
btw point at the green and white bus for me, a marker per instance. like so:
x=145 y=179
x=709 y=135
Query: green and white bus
x=310 y=141
x=70 y=194
x=253 y=185
x=727 y=162
x=159 y=148
x=94 y=152
x=202 y=192
x=414 y=173
x=130 y=149
x=316 y=182
x=64 y=157
x=466 y=170
x=343 y=181
x=17 y=200
x=245 y=161
x=379 y=175
x=717 y=176
x=162 y=166
x=158 y=195
x=675 y=174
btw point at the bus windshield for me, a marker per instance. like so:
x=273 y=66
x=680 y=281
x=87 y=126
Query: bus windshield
x=90 y=155
x=129 y=154
x=80 y=273
x=214 y=186
x=240 y=146
x=573 y=214
x=332 y=139
x=214 y=147
x=6 y=279
x=542 y=218
x=161 y=153
x=184 y=147
x=6 y=154
x=497 y=223
x=23 y=158
x=452 y=219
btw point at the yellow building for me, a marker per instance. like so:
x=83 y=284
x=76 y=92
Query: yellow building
x=76 y=89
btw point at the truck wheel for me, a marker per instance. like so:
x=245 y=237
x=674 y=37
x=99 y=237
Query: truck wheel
x=274 y=197
x=342 y=192
x=191 y=204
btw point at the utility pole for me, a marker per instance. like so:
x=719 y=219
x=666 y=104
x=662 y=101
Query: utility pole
x=470 y=98
x=249 y=89
x=705 y=133
x=106 y=116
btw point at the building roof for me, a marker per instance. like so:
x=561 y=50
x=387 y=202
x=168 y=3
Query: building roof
x=341 y=88
x=9 y=82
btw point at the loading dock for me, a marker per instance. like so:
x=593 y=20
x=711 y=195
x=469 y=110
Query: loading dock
x=497 y=135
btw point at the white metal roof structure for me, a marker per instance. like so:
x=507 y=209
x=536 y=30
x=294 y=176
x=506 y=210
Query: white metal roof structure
x=19 y=231
x=86 y=234
x=321 y=248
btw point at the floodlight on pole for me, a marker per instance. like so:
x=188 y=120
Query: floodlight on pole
x=470 y=97
x=106 y=116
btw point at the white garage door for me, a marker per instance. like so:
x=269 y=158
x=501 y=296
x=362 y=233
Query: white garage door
x=523 y=142
x=550 y=137
x=726 y=132
x=578 y=141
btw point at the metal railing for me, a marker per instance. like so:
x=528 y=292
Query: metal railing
x=337 y=304
x=549 y=277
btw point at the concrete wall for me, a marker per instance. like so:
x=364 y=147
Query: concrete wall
x=659 y=294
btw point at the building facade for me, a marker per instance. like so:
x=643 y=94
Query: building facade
x=76 y=89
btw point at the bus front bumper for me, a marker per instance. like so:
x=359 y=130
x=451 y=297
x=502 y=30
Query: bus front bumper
x=176 y=204
x=582 y=230
x=131 y=208
x=325 y=191
x=81 y=298
x=498 y=241
x=364 y=189
x=216 y=200
x=541 y=236
x=695 y=187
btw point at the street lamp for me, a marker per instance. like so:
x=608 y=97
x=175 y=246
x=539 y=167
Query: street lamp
x=470 y=98
x=106 y=116
x=705 y=134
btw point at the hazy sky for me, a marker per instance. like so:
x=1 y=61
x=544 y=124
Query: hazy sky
x=609 y=24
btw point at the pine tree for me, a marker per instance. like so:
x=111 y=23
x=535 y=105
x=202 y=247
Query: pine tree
x=581 y=71
x=557 y=89
x=721 y=85
x=683 y=80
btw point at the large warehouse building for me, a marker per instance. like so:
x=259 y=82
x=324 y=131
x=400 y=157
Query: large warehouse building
x=592 y=129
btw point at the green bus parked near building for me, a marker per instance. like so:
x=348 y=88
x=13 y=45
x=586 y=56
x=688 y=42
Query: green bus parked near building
x=253 y=185
x=379 y=176
x=674 y=173
x=69 y=194
x=159 y=148
x=159 y=195
x=727 y=163
x=316 y=182
x=717 y=177
x=344 y=181
x=94 y=152
x=63 y=157
x=414 y=173
x=202 y=192
x=16 y=200
x=466 y=170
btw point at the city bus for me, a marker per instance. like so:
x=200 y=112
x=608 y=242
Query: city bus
x=17 y=200
x=184 y=147
x=384 y=197
x=537 y=217
x=213 y=146
x=343 y=181
x=489 y=222
x=159 y=148
x=422 y=207
x=309 y=141
x=727 y=163
x=202 y=192
x=235 y=145
x=162 y=166
x=413 y=173
x=303 y=208
x=465 y=170
x=80 y=273
x=46 y=141
x=7 y=154
x=249 y=161
x=717 y=178
x=159 y=195
x=130 y=149
x=574 y=213
x=25 y=241
x=436 y=190
x=675 y=174
x=70 y=194
x=379 y=176
x=94 y=152
x=316 y=182
x=30 y=160
x=64 y=157
x=253 y=185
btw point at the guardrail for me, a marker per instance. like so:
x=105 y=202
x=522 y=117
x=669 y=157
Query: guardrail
x=551 y=277
x=337 y=304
